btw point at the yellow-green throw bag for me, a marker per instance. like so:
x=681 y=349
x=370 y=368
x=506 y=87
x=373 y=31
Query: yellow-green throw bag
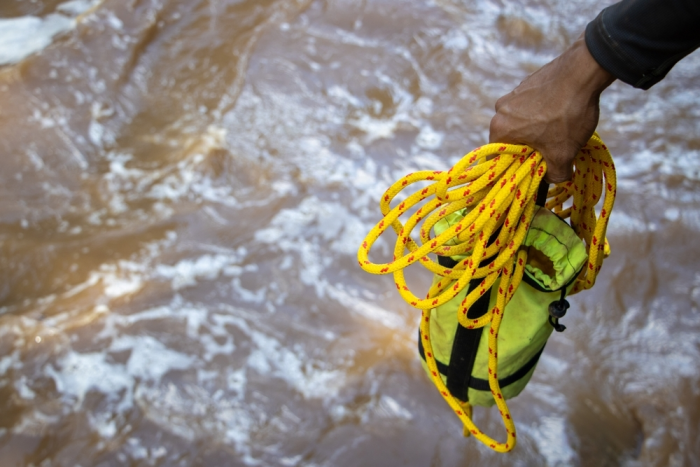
x=555 y=257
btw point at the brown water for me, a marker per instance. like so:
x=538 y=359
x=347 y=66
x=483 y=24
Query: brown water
x=184 y=185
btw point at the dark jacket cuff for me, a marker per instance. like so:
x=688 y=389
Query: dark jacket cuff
x=611 y=55
x=639 y=41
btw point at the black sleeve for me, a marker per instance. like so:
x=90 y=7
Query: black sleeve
x=639 y=41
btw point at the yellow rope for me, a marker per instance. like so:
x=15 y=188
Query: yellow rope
x=498 y=183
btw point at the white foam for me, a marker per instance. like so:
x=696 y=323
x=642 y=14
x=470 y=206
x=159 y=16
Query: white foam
x=329 y=221
x=9 y=361
x=76 y=7
x=78 y=373
x=187 y=272
x=365 y=308
x=273 y=359
x=376 y=128
x=455 y=40
x=117 y=287
x=23 y=390
x=257 y=296
x=104 y=423
x=553 y=442
x=622 y=223
x=390 y=408
x=34 y=423
x=150 y=359
x=25 y=35
x=344 y=96
x=428 y=138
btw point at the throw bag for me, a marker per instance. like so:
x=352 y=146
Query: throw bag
x=555 y=257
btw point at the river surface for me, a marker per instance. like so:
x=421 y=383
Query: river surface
x=184 y=185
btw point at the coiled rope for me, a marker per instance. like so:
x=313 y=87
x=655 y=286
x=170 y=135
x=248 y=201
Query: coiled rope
x=498 y=184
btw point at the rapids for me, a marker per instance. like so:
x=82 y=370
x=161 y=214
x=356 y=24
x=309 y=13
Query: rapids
x=184 y=185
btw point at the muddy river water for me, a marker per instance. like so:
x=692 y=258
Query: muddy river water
x=184 y=185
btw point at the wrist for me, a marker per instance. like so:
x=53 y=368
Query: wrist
x=585 y=70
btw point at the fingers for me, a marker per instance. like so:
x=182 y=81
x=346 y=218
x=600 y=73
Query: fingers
x=559 y=162
x=560 y=165
x=558 y=174
x=499 y=130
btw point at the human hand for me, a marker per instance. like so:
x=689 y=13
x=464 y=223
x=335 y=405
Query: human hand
x=555 y=110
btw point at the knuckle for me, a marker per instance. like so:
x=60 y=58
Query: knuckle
x=495 y=128
x=499 y=103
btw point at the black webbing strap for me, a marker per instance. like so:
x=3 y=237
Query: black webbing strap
x=483 y=384
x=466 y=341
x=465 y=346
x=542 y=193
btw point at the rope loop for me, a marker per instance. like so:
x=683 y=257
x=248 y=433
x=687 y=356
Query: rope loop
x=497 y=184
